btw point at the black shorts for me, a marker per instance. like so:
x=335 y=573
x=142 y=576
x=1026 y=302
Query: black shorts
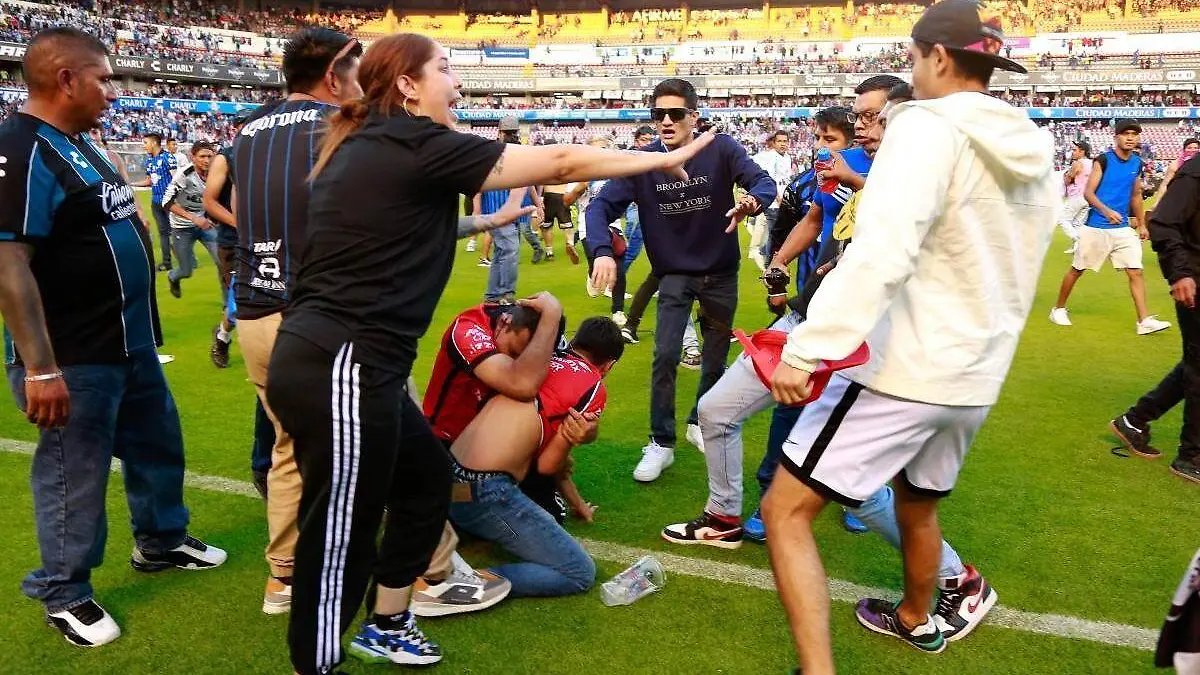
x=556 y=210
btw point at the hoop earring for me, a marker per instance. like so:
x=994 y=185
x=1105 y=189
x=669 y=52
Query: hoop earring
x=404 y=104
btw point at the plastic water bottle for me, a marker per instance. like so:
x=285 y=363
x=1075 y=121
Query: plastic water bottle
x=824 y=163
x=640 y=579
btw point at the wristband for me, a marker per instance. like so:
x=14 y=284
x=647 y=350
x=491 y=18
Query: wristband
x=45 y=377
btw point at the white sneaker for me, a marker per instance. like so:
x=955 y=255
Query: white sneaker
x=695 y=437
x=1151 y=324
x=86 y=625
x=1058 y=315
x=655 y=459
x=470 y=246
x=591 y=290
x=165 y=358
x=619 y=319
x=464 y=590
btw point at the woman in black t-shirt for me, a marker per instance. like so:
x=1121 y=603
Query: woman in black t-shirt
x=383 y=221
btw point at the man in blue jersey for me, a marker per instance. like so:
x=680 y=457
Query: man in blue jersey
x=686 y=226
x=849 y=169
x=77 y=299
x=1116 y=226
x=160 y=167
x=273 y=155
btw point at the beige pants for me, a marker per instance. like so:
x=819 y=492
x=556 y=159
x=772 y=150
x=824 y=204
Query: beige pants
x=257 y=340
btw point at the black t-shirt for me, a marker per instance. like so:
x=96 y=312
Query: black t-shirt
x=272 y=157
x=62 y=195
x=382 y=221
x=227 y=237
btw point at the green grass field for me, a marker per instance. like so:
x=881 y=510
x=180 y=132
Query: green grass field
x=1056 y=522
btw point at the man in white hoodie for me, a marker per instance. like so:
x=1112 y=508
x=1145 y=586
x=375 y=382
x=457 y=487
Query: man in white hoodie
x=951 y=232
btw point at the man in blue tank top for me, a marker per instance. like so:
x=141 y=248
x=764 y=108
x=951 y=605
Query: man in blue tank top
x=1114 y=192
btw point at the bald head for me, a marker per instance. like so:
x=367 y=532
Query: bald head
x=56 y=49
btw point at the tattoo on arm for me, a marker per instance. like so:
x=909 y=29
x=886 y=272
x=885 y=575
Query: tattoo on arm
x=21 y=307
x=472 y=225
x=498 y=167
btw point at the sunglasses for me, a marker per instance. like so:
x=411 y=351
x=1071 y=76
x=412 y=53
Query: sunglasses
x=868 y=117
x=676 y=114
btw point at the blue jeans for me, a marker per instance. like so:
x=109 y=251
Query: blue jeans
x=183 y=240
x=124 y=411
x=163 y=222
x=502 y=276
x=264 y=439
x=633 y=239
x=534 y=239
x=554 y=562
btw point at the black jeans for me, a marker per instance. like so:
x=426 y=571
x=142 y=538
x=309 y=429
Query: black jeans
x=641 y=300
x=163 y=221
x=717 y=294
x=1189 y=437
x=1156 y=402
x=361 y=445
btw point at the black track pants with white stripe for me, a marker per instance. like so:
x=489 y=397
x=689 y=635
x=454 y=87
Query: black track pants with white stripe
x=361 y=445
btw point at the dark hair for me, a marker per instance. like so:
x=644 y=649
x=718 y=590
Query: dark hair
x=778 y=133
x=836 y=119
x=1191 y=141
x=388 y=59
x=900 y=93
x=676 y=87
x=599 y=338
x=970 y=67
x=878 y=83
x=520 y=317
x=54 y=48
x=308 y=54
x=199 y=146
x=156 y=136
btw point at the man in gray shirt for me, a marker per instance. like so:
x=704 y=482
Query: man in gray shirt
x=184 y=201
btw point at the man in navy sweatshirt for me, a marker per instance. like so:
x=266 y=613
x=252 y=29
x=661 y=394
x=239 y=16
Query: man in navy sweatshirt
x=689 y=228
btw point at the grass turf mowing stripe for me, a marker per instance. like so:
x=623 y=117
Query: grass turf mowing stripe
x=1056 y=625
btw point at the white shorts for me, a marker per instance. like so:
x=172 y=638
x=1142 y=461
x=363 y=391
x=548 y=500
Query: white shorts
x=1074 y=215
x=1121 y=245
x=850 y=442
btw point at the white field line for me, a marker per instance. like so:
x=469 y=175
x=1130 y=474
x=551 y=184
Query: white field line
x=1120 y=635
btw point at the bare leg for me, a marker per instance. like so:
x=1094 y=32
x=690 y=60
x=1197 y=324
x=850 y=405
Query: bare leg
x=1137 y=288
x=548 y=237
x=1068 y=284
x=788 y=511
x=921 y=545
x=392 y=601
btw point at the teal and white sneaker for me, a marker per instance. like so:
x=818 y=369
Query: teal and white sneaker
x=395 y=639
x=880 y=616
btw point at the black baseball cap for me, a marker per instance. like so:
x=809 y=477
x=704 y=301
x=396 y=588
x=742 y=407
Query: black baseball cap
x=1083 y=145
x=957 y=26
x=645 y=130
x=1126 y=125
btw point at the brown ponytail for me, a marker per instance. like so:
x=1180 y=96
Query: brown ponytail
x=383 y=64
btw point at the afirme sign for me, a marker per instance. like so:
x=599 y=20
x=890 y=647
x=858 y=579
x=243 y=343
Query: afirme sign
x=163 y=68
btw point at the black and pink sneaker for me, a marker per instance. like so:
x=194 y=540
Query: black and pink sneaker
x=962 y=603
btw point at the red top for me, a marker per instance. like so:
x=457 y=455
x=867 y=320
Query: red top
x=571 y=383
x=454 y=394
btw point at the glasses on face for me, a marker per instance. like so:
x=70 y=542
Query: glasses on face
x=867 y=117
x=676 y=114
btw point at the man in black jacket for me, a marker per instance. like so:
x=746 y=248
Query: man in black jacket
x=1175 y=235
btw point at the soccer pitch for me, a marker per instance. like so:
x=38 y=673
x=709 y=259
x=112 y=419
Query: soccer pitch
x=1061 y=527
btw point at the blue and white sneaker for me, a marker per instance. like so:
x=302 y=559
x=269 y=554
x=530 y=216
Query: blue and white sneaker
x=400 y=642
x=852 y=524
x=754 y=529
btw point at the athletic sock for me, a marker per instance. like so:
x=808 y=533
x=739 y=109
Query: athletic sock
x=223 y=335
x=728 y=520
x=391 y=621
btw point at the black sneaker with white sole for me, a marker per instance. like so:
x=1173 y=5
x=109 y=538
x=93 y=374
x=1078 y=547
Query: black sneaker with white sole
x=708 y=529
x=1136 y=439
x=85 y=625
x=1186 y=469
x=192 y=554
